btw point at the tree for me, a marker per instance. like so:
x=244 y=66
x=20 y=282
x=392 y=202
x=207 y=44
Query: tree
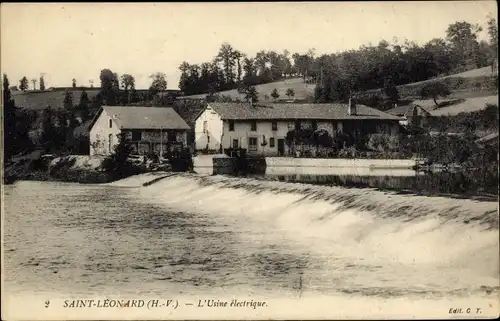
x=290 y=92
x=463 y=38
x=275 y=94
x=108 y=92
x=83 y=106
x=250 y=93
x=23 y=84
x=237 y=56
x=117 y=163
x=9 y=120
x=115 y=82
x=226 y=56
x=61 y=132
x=159 y=82
x=434 y=90
x=391 y=91
x=493 y=35
x=42 y=83
x=48 y=130
x=128 y=84
x=68 y=100
x=73 y=81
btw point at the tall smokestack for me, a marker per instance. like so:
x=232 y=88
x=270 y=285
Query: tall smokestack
x=352 y=107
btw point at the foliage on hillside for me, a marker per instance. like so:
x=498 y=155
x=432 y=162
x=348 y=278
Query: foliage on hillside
x=337 y=75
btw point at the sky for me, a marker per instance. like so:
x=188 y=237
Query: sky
x=78 y=40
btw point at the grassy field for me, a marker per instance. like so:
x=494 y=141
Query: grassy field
x=467 y=106
x=479 y=72
x=302 y=90
x=37 y=100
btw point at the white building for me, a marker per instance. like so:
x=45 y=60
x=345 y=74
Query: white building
x=148 y=129
x=262 y=128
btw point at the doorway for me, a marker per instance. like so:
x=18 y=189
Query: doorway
x=281 y=147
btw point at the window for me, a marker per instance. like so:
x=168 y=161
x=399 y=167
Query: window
x=252 y=143
x=205 y=126
x=235 y=143
x=314 y=125
x=110 y=141
x=253 y=126
x=136 y=135
x=271 y=142
x=231 y=125
x=110 y=123
x=274 y=125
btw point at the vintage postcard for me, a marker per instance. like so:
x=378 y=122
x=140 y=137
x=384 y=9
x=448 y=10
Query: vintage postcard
x=266 y=160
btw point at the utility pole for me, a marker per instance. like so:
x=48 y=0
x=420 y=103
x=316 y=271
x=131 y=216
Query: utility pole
x=161 y=144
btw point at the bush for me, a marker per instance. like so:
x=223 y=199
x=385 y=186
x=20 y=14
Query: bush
x=383 y=142
x=117 y=163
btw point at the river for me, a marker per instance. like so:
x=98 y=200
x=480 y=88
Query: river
x=193 y=236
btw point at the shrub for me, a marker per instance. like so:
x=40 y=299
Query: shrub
x=117 y=163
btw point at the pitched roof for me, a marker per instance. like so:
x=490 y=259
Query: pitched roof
x=296 y=111
x=82 y=129
x=145 y=117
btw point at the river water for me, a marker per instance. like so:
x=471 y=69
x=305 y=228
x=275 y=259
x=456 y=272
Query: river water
x=195 y=236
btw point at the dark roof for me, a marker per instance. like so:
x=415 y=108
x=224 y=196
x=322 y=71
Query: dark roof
x=82 y=129
x=145 y=117
x=296 y=111
x=407 y=110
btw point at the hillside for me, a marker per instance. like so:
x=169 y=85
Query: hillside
x=306 y=91
x=479 y=72
x=38 y=100
x=302 y=90
x=466 y=106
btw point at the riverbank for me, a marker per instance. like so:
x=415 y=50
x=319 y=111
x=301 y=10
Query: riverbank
x=73 y=168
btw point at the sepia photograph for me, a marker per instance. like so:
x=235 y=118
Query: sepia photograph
x=249 y=160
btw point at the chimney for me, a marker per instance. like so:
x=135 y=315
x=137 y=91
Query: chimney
x=352 y=107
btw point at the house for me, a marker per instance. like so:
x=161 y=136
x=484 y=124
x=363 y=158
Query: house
x=411 y=114
x=263 y=128
x=149 y=129
x=82 y=130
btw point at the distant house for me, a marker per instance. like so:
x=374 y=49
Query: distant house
x=411 y=114
x=82 y=130
x=263 y=128
x=149 y=129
